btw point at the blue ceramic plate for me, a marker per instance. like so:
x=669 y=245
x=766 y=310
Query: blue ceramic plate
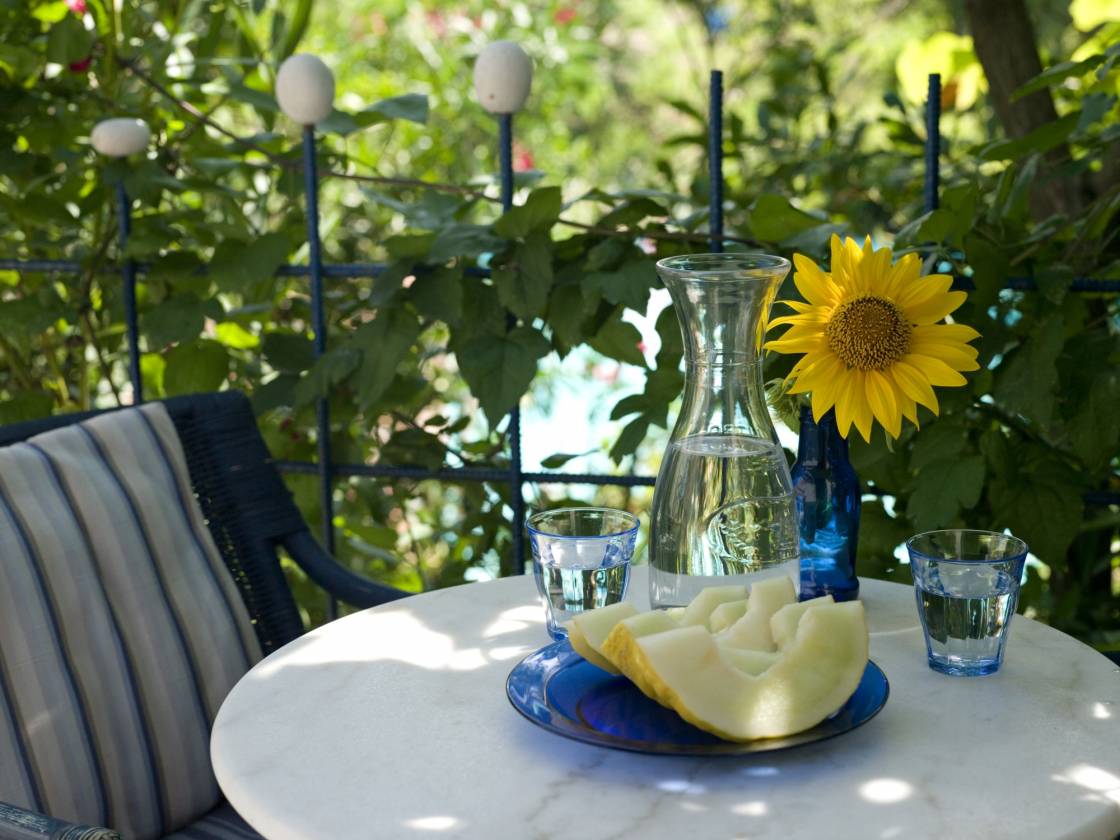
x=557 y=689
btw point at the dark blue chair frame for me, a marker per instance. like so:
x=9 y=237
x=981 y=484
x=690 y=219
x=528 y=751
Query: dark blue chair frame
x=252 y=515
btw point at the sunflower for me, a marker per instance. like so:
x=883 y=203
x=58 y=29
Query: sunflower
x=871 y=338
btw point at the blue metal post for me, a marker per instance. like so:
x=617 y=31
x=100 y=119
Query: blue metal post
x=715 y=161
x=128 y=273
x=933 y=143
x=319 y=325
x=516 y=477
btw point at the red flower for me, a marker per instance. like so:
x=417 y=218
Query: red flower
x=522 y=158
x=81 y=66
x=565 y=14
x=78 y=7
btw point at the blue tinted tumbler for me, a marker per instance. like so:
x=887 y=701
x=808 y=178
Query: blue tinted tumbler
x=967 y=587
x=581 y=560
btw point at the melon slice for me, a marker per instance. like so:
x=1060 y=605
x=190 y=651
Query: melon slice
x=752 y=631
x=700 y=608
x=784 y=623
x=588 y=630
x=812 y=677
x=752 y=662
x=619 y=646
x=727 y=614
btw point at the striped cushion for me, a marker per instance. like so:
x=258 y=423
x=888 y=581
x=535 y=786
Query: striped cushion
x=223 y=823
x=121 y=631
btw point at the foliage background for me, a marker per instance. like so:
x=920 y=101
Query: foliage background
x=824 y=133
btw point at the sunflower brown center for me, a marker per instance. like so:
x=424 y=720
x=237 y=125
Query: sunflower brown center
x=868 y=333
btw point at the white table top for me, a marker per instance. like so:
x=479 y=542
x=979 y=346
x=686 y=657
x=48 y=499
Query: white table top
x=394 y=722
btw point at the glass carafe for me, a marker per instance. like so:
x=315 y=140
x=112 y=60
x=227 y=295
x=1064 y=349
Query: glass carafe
x=723 y=506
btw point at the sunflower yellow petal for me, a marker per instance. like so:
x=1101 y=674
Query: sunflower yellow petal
x=901 y=275
x=961 y=357
x=797 y=305
x=845 y=400
x=934 y=370
x=945 y=333
x=933 y=310
x=861 y=406
x=795 y=345
x=881 y=397
x=813 y=284
x=914 y=385
x=923 y=289
x=824 y=398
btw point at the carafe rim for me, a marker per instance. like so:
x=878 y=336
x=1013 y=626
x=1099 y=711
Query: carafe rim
x=723 y=267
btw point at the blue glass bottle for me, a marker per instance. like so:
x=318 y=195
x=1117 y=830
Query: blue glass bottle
x=827 y=493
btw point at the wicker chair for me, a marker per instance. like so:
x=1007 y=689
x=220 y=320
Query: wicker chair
x=250 y=514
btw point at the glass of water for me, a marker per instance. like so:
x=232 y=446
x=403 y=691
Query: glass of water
x=581 y=560
x=967 y=586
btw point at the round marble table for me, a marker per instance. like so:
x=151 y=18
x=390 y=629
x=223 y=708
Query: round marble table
x=394 y=723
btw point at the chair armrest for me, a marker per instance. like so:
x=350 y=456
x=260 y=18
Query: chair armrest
x=19 y=824
x=347 y=586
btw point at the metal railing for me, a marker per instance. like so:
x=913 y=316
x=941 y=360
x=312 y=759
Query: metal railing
x=515 y=475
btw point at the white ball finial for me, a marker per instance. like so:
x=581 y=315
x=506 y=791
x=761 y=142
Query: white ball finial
x=305 y=89
x=503 y=75
x=120 y=137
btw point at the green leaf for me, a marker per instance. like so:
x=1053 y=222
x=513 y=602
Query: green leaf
x=942 y=488
x=1094 y=430
x=1042 y=139
x=1093 y=108
x=233 y=335
x=566 y=314
x=25 y=405
x=499 y=369
x=68 y=41
x=288 y=352
x=1041 y=503
x=410 y=106
x=238 y=266
x=672 y=340
x=559 y=459
x=619 y=340
x=407 y=246
x=774 y=219
x=329 y=370
x=943 y=440
x=462 y=240
x=195 y=368
x=631 y=437
x=29 y=316
x=177 y=319
x=632 y=404
x=1056 y=74
x=523 y=284
x=879 y=535
x=539 y=212
x=438 y=294
x=629 y=285
x=384 y=341
x=1027 y=380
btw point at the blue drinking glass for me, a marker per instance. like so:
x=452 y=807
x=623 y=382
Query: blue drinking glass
x=827 y=494
x=967 y=587
x=581 y=560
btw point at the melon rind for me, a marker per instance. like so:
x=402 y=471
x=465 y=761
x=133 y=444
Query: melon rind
x=813 y=676
x=620 y=646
